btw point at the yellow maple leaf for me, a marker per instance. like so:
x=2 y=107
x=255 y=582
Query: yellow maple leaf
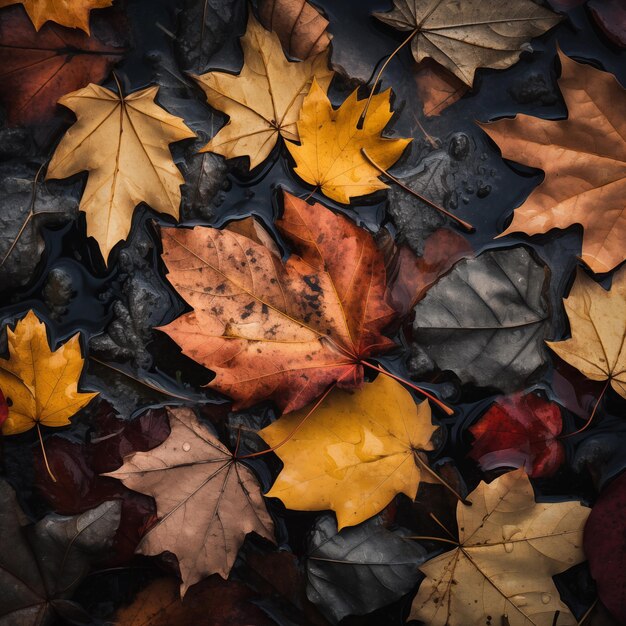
x=123 y=142
x=509 y=548
x=354 y=453
x=70 y=13
x=264 y=99
x=40 y=385
x=598 y=323
x=330 y=154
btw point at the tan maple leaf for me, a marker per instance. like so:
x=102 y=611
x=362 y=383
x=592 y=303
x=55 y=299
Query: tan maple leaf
x=207 y=502
x=123 y=142
x=463 y=36
x=264 y=99
x=584 y=159
x=509 y=548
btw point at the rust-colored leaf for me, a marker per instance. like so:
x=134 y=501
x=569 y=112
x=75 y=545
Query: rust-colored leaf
x=437 y=88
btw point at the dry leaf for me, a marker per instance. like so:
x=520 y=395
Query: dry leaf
x=207 y=502
x=41 y=384
x=70 y=13
x=437 y=88
x=330 y=152
x=280 y=331
x=300 y=27
x=264 y=99
x=123 y=142
x=509 y=548
x=354 y=453
x=598 y=323
x=584 y=158
x=463 y=36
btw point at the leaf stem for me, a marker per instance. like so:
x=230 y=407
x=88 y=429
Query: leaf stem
x=588 y=612
x=440 y=524
x=556 y=618
x=595 y=407
x=377 y=79
x=43 y=450
x=443 y=482
x=466 y=225
x=424 y=538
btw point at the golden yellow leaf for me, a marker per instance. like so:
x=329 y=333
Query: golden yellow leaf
x=509 y=548
x=330 y=152
x=598 y=323
x=123 y=142
x=70 y=13
x=41 y=384
x=264 y=100
x=354 y=453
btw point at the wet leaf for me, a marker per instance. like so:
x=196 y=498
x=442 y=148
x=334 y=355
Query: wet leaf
x=330 y=156
x=264 y=99
x=70 y=13
x=486 y=319
x=207 y=502
x=359 y=569
x=605 y=546
x=509 y=548
x=42 y=384
x=437 y=88
x=598 y=324
x=354 y=453
x=519 y=431
x=4 y=409
x=122 y=141
x=47 y=561
x=583 y=159
x=475 y=33
x=299 y=25
x=40 y=67
x=280 y=331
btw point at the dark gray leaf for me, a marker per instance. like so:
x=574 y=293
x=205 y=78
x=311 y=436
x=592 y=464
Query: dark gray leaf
x=486 y=320
x=361 y=568
x=45 y=562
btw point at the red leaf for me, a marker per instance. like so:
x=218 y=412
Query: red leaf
x=610 y=16
x=37 y=68
x=605 y=546
x=519 y=431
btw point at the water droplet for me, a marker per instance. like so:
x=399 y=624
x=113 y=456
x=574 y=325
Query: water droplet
x=186 y=447
x=508 y=547
x=545 y=598
x=519 y=601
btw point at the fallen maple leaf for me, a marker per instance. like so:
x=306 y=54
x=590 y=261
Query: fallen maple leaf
x=509 y=548
x=264 y=99
x=280 y=331
x=70 y=13
x=463 y=36
x=37 y=68
x=41 y=384
x=207 y=502
x=437 y=88
x=519 y=431
x=583 y=158
x=300 y=27
x=122 y=141
x=330 y=155
x=598 y=324
x=354 y=453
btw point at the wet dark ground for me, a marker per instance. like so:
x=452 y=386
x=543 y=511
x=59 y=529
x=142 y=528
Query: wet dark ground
x=115 y=309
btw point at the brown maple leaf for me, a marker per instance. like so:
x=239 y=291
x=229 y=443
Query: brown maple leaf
x=584 y=158
x=206 y=501
x=274 y=330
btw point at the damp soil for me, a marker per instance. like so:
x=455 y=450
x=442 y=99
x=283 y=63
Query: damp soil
x=116 y=308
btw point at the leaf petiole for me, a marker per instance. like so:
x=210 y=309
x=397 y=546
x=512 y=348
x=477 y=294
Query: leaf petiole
x=439 y=479
x=595 y=408
x=43 y=450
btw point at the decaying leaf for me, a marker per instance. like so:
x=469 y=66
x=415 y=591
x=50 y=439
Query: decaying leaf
x=299 y=25
x=264 y=99
x=463 y=36
x=598 y=323
x=509 y=548
x=330 y=154
x=70 y=13
x=280 y=331
x=41 y=384
x=207 y=502
x=584 y=158
x=519 y=431
x=354 y=453
x=123 y=142
x=437 y=88
x=41 y=565
x=37 y=68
